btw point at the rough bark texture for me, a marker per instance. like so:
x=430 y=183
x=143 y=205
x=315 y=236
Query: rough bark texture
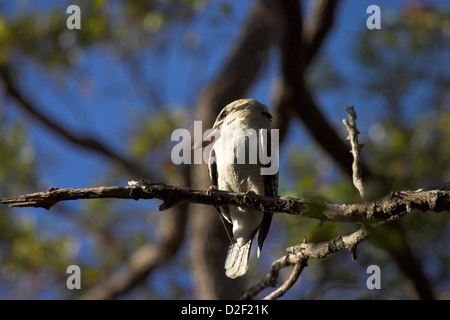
x=386 y=209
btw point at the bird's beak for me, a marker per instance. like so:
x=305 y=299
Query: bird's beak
x=207 y=139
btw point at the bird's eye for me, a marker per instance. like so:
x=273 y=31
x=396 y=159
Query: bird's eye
x=224 y=114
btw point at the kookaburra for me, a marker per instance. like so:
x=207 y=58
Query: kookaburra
x=234 y=166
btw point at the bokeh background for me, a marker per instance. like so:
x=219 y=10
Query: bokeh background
x=96 y=106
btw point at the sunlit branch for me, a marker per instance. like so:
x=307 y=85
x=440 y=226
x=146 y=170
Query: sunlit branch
x=391 y=207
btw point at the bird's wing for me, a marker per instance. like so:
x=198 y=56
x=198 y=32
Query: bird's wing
x=224 y=213
x=270 y=190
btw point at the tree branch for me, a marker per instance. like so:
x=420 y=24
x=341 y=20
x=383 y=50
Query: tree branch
x=300 y=43
x=316 y=26
x=299 y=256
x=298 y=268
x=388 y=208
x=356 y=148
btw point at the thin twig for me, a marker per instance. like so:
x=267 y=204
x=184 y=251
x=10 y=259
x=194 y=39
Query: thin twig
x=271 y=278
x=356 y=148
x=299 y=256
x=298 y=268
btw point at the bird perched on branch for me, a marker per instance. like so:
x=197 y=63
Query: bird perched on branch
x=242 y=160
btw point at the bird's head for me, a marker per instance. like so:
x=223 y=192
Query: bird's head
x=242 y=114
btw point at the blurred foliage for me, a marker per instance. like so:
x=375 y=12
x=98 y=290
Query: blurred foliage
x=27 y=257
x=414 y=46
x=122 y=26
x=17 y=156
x=149 y=136
x=150 y=133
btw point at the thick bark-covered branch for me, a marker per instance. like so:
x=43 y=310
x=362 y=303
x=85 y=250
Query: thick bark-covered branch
x=389 y=208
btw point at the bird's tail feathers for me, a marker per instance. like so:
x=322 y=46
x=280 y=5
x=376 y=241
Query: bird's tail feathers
x=236 y=264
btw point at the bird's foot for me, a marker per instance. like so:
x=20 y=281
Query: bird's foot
x=250 y=193
x=211 y=190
